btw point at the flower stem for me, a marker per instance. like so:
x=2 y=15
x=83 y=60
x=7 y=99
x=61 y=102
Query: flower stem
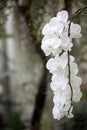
x=69 y=78
x=78 y=12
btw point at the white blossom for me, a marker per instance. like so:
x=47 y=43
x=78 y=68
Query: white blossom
x=73 y=66
x=70 y=115
x=62 y=16
x=66 y=43
x=56 y=113
x=54 y=27
x=76 y=83
x=65 y=82
x=60 y=112
x=58 y=64
x=59 y=82
x=59 y=100
x=66 y=93
x=50 y=44
x=75 y=30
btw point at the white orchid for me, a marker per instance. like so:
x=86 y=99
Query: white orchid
x=62 y=16
x=50 y=44
x=56 y=113
x=66 y=42
x=54 y=27
x=58 y=64
x=59 y=82
x=64 y=82
x=75 y=30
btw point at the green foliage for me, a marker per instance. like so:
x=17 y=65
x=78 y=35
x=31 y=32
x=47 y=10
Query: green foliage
x=8 y=129
x=2 y=4
x=79 y=122
x=45 y=122
x=80 y=119
x=14 y=122
x=4 y=36
x=5 y=74
x=84 y=92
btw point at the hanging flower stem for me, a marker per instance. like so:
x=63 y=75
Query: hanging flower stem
x=58 y=43
x=69 y=78
x=78 y=12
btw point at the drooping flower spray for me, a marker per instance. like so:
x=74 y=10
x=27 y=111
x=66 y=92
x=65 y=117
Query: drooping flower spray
x=65 y=82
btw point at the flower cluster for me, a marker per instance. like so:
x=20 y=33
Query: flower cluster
x=65 y=83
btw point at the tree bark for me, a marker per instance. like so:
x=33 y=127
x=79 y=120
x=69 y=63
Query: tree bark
x=39 y=102
x=6 y=83
x=42 y=88
x=68 y=5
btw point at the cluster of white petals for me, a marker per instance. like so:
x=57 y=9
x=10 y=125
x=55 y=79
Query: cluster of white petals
x=65 y=82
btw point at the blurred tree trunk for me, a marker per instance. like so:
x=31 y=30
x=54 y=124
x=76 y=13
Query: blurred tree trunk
x=6 y=96
x=6 y=82
x=39 y=103
x=68 y=6
x=26 y=63
x=42 y=88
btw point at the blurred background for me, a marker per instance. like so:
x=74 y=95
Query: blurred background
x=25 y=95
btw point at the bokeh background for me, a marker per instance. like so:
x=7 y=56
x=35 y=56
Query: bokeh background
x=25 y=94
